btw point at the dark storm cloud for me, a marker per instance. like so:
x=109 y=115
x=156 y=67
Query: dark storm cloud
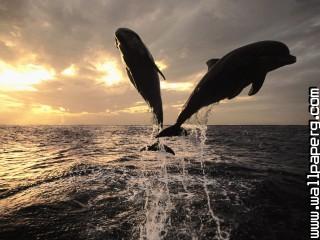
x=185 y=34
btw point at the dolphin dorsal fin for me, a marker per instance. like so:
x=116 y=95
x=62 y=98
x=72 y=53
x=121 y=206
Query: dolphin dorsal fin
x=212 y=62
x=257 y=83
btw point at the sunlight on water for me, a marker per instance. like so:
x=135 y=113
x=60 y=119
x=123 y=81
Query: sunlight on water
x=92 y=182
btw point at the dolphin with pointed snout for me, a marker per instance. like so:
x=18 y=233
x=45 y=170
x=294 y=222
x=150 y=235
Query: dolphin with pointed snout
x=228 y=76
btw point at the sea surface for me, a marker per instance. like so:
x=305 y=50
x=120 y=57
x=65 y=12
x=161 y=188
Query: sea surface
x=92 y=182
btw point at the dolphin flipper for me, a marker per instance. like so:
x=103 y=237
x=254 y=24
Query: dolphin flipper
x=168 y=149
x=159 y=71
x=257 y=84
x=153 y=63
x=157 y=147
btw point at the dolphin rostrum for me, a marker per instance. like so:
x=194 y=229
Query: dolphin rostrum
x=143 y=74
x=228 y=76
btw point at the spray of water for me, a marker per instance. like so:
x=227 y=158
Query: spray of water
x=158 y=204
x=198 y=131
x=205 y=182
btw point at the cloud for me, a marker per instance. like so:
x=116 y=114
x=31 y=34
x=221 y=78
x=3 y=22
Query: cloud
x=140 y=107
x=177 y=86
x=75 y=40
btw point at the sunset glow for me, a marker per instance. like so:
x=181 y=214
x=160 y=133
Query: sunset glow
x=152 y=120
x=176 y=86
x=57 y=60
x=70 y=71
x=139 y=108
x=39 y=109
x=111 y=73
x=161 y=65
x=22 y=77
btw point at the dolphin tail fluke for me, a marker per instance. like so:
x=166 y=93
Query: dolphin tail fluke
x=157 y=147
x=168 y=149
x=174 y=130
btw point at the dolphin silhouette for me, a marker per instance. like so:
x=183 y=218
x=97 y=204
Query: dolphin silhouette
x=141 y=69
x=143 y=74
x=228 y=76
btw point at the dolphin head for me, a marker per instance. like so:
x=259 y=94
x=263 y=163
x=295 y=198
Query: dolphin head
x=273 y=54
x=126 y=39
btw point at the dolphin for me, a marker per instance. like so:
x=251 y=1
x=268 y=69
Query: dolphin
x=228 y=76
x=141 y=69
x=143 y=74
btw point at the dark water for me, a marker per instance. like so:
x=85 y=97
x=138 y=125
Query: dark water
x=91 y=182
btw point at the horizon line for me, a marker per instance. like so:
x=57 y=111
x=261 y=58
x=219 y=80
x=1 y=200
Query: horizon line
x=4 y=124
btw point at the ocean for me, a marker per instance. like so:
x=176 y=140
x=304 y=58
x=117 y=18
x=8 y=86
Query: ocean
x=92 y=182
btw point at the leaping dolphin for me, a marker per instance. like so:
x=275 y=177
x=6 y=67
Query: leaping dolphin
x=143 y=74
x=228 y=76
x=141 y=69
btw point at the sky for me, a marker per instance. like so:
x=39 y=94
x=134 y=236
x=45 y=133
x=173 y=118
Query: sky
x=59 y=63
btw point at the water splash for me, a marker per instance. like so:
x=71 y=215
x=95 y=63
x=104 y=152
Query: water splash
x=202 y=116
x=216 y=219
x=158 y=204
x=198 y=131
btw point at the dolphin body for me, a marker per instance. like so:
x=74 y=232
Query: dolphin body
x=143 y=74
x=228 y=76
x=141 y=69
